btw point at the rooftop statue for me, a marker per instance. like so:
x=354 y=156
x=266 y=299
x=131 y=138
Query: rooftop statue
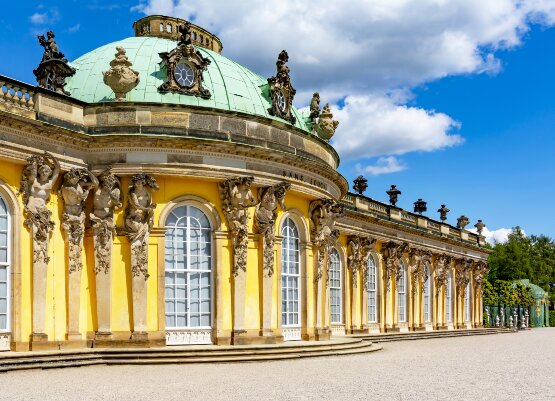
x=53 y=68
x=326 y=126
x=360 y=184
x=281 y=90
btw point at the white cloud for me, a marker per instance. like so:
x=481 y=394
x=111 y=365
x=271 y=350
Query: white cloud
x=74 y=28
x=363 y=51
x=501 y=235
x=384 y=165
x=39 y=18
x=375 y=125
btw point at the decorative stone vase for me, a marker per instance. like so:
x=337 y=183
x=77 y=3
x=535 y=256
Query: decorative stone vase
x=326 y=125
x=120 y=77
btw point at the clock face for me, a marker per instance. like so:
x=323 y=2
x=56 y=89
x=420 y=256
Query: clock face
x=184 y=74
x=280 y=97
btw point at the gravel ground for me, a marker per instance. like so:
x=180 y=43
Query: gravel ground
x=493 y=367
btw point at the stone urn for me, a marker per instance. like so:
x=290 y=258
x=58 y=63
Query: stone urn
x=325 y=128
x=120 y=77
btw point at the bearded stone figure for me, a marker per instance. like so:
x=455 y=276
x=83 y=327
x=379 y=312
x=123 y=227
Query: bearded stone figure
x=38 y=178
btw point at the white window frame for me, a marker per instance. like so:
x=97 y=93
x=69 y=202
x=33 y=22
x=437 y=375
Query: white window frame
x=372 y=273
x=188 y=271
x=426 y=295
x=7 y=265
x=284 y=262
x=448 y=299
x=335 y=265
x=402 y=295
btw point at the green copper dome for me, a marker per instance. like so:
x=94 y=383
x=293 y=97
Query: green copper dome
x=233 y=87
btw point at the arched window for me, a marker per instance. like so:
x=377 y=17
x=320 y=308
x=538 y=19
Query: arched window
x=4 y=267
x=448 y=298
x=290 y=274
x=161 y=27
x=402 y=294
x=372 y=291
x=188 y=269
x=426 y=291
x=336 y=288
x=169 y=28
x=467 y=303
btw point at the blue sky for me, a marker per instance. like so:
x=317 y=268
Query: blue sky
x=485 y=94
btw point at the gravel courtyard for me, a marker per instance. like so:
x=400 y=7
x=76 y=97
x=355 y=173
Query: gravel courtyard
x=494 y=367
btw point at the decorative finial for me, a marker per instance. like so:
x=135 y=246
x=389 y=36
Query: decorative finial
x=420 y=206
x=326 y=126
x=480 y=227
x=393 y=195
x=120 y=77
x=443 y=213
x=360 y=184
x=462 y=222
x=315 y=107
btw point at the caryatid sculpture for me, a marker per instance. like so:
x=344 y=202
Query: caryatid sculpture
x=139 y=220
x=265 y=219
x=392 y=254
x=237 y=197
x=359 y=252
x=107 y=199
x=75 y=189
x=37 y=179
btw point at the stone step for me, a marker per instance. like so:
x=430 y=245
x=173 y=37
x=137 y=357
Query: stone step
x=87 y=357
x=388 y=337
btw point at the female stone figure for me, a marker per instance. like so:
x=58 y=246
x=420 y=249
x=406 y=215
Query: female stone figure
x=139 y=218
x=37 y=180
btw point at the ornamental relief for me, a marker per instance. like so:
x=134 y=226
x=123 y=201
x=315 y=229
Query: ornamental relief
x=442 y=266
x=359 y=253
x=237 y=197
x=392 y=253
x=463 y=270
x=323 y=214
x=265 y=216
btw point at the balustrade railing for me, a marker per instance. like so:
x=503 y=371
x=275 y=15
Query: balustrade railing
x=17 y=94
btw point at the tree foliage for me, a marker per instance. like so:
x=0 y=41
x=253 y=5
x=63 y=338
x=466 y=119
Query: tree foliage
x=524 y=257
x=502 y=292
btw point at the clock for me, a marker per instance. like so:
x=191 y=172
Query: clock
x=184 y=74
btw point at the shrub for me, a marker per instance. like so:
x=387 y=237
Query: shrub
x=552 y=318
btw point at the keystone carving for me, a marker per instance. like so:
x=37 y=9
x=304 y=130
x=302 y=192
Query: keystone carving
x=139 y=219
x=392 y=253
x=107 y=198
x=359 y=252
x=323 y=213
x=53 y=68
x=120 y=77
x=326 y=125
x=75 y=189
x=237 y=197
x=281 y=90
x=184 y=66
x=265 y=220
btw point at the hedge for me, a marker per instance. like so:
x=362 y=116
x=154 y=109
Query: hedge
x=552 y=318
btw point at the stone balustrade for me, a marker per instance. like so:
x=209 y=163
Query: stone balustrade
x=16 y=94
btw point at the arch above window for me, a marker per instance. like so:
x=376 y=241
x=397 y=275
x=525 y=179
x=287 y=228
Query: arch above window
x=200 y=203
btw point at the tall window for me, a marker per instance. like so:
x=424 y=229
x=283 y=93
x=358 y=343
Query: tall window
x=402 y=294
x=4 y=266
x=290 y=274
x=467 y=303
x=188 y=269
x=426 y=293
x=336 y=288
x=372 y=291
x=448 y=298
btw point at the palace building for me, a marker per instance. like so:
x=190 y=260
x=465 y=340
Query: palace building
x=154 y=192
